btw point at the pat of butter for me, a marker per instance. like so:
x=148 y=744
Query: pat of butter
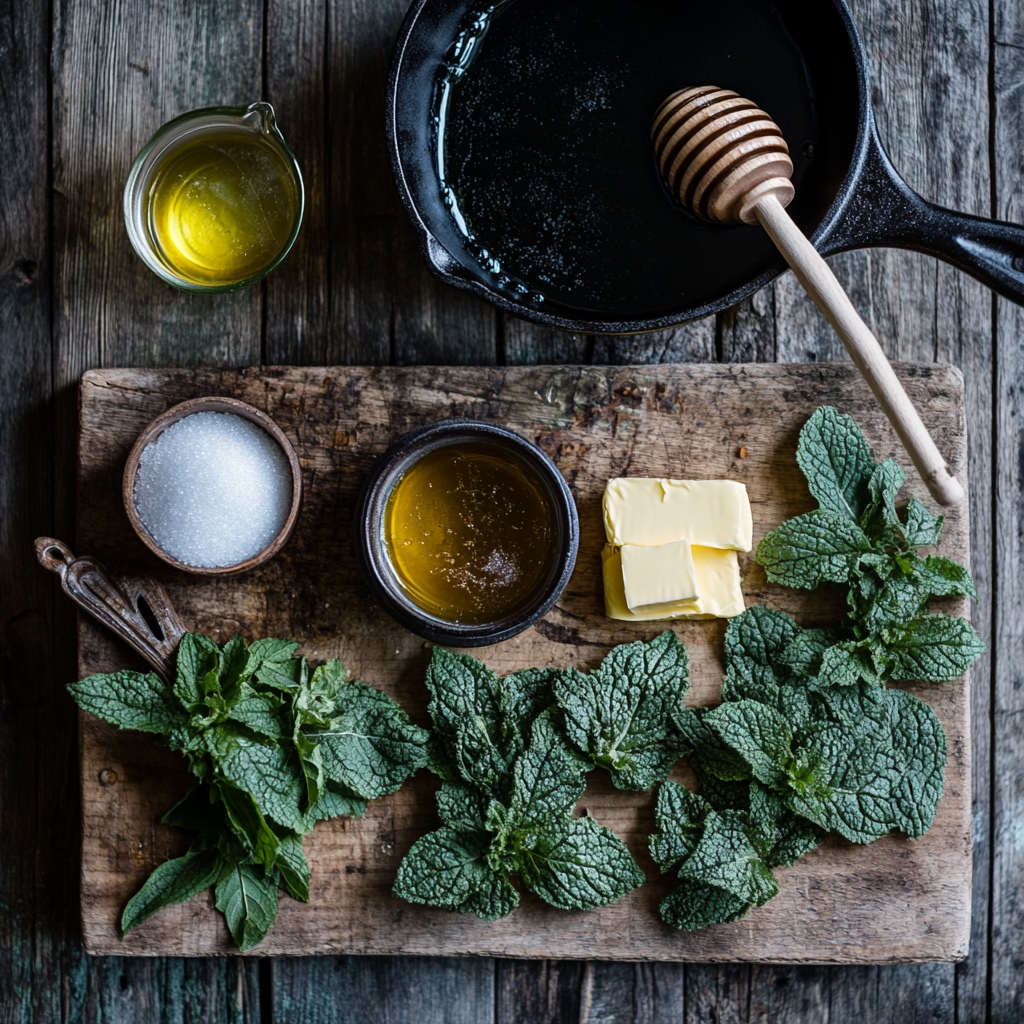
x=708 y=513
x=717 y=574
x=657 y=578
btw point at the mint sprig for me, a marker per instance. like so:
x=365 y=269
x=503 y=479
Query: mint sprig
x=511 y=783
x=274 y=747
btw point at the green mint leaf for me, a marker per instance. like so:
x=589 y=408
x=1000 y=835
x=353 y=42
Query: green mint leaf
x=845 y=664
x=942 y=577
x=174 y=881
x=813 y=548
x=334 y=802
x=837 y=462
x=875 y=604
x=461 y=806
x=284 y=675
x=130 y=700
x=448 y=868
x=247 y=897
x=760 y=736
x=857 y=773
x=293 y=866
x=548 y=778
x=879 y=518
x=780 y=837
x=260 y=712
x=806 y=651
x=578 y=865
x=708 y=752
x=233 y=663
x=723 y=794
x=268 y=653
x=919 y=746
x=755 y=641
x=923 y=529
x=197 y=657
x=726 y=859
x=272 y=775
x=850 y=704
x=462 y=689
x=680 y=816
x=247 y=822
x=620 y=716
x=493 y=900
x=371 y=747
x=524 y=695
x=935 y=647
x=697 y=905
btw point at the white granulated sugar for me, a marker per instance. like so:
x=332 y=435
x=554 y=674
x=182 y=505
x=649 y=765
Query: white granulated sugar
x=213 y=489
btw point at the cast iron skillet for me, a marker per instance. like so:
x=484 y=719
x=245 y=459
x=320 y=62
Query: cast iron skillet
x=849 y=196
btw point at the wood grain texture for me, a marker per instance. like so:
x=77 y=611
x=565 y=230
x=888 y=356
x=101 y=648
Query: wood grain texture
x=1006 y=996
x=893 y=900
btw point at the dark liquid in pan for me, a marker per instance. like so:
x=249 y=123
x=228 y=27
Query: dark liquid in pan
x=547 y=154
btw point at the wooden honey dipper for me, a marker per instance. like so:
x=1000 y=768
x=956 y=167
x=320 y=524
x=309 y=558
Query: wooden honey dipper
x=727 y=161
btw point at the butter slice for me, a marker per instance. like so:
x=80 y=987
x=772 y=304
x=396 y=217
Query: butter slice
x=659 y=577
x=717 y=573
x=708 y=513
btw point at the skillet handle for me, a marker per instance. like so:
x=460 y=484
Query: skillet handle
x=885 y=211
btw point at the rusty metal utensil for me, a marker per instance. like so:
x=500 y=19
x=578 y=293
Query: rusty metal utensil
x=136 y=608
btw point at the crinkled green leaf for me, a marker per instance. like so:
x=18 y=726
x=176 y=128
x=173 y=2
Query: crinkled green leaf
x=174 y=881
x=247 y=822
x=694 y=905
x=462 y=806
x=934 y=647
x=260 y=712
x=755 y=641
x=233 y=663
x=197 y=657
x=334 y=802
x=680 y=816
x=247 y=897
x=272 y=775
x=578 y=865
x=760 y=735
x=372 y=747
x=548 y=778
x=837 y=462
x=804 y=654
x=919 y=745
x=726 y=859
x=779 y=836
x=446 y=868
x=620 y=715
x=130 y=700
x=813 y=548
x=876 y=603
x=942 y=577
x=923 y=529
x=880 y=515
x=845 y=664
x=493 y=900
x=707 y=749
x=293 y=866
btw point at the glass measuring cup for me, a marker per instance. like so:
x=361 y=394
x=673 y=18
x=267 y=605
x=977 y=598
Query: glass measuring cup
x=215 y=198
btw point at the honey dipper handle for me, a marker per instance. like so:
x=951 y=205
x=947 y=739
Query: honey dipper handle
x=828 y=295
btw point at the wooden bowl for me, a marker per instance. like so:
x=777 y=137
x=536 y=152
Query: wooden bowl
x=179 y=412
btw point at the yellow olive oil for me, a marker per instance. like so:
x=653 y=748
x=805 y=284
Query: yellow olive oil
x=470 y=532
x=223 y=206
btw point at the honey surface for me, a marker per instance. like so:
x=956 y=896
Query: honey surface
x=470 y=533
x=223 y=207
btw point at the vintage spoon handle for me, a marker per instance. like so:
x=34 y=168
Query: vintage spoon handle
x=137 y=609
x=828 y=295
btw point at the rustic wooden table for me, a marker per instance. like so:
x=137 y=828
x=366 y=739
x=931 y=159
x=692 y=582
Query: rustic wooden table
x=84 y=83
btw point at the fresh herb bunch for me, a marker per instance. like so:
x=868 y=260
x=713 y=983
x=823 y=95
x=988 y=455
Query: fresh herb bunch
x=808 y=739
x=511 y=778
x=856 y=537
x=275 y=747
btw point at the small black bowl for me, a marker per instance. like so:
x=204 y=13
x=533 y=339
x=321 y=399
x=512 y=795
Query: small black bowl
x=371 y=545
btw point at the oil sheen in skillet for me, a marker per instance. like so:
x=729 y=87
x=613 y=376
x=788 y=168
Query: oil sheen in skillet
x=544 y=150
x=470 y=533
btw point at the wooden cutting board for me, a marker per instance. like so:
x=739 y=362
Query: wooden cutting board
x=895 y=900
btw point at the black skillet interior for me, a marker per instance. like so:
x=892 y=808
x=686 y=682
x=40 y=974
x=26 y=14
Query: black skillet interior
x=549 y=156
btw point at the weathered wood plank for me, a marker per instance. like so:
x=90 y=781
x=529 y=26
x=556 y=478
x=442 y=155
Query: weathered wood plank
x=39 y=955
x=1007 y=957
x=383 y=990
x=836 y=905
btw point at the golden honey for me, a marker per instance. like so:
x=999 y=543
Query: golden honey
x=223 y=206
x=470 y=533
